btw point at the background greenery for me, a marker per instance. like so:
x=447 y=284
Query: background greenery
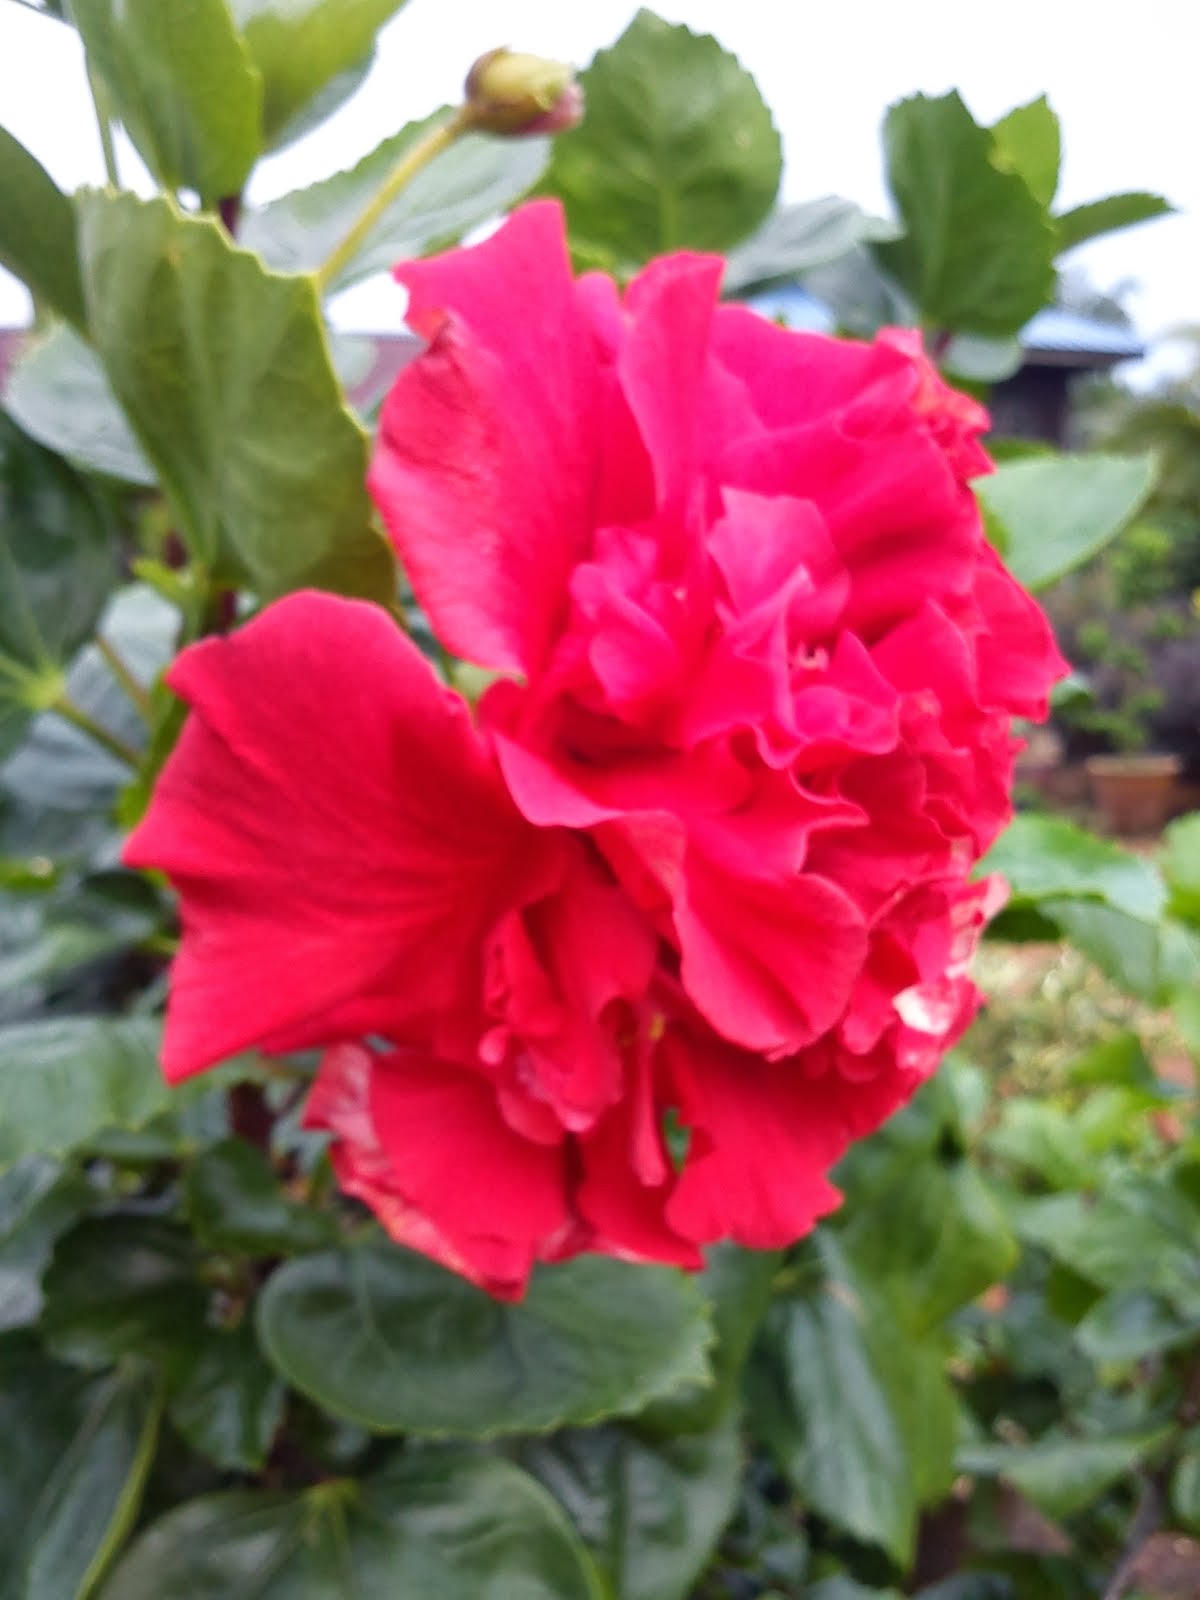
x=980 y=1380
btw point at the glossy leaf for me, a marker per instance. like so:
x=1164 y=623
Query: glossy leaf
x=736 y=1285
x=1046 y=858
x=234 y=1202
x=39 y=1201
x=65 y=1078
x=1058 y=513
x=301 y=46
x=1109 y=215
x=434 y=1523
x=57 y=564
x=79 y=1449
x=1181 y=867
x=59 y=394
x=797 y=238
x=978 y=251
x=390 y=1340
x=240 y=412
x=1030 y=142
x=183 y=83
x=476 y=179
x=120 y=1286
x=225 y=1400
x=650 y=1513
x=37 y=232
x=1062 y=1475
x=862 y=1422
x=677 y=150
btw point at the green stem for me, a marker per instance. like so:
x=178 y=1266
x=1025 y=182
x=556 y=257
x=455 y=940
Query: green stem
x=120 y=671
x=100 y=101
x=410 y=163
x=67 y=708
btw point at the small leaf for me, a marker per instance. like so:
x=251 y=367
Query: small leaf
x=797 y=238
x=240 y=412
x=57 y=564
x=1047 y=858
x=677 y=150
x=1181 y=867
x=38 y=1202
x=392 y=1341
x=1109 y=215
x=1129 y=1325
x=37 y=232
x=121 y=1286
x=234 y=1202
x=183 y=84
x=302 y=48
x=60 y=396
x=649 y=1513
x=1030 y=141
x=863 y=1423
x=476 y=179
x=65 y=1078
x=84 y=1447
x=1062 y=1475
x=226 y=1401
x=1060 y=512
x=1185 y=1490
x=431 y=1524
x=978 y=253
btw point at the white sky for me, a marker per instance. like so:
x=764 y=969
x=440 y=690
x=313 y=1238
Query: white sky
x=1122 y=77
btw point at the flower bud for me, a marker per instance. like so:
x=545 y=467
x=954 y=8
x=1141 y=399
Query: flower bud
x=511 y=93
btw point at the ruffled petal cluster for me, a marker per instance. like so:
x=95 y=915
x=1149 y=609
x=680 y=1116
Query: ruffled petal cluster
x=622 y=958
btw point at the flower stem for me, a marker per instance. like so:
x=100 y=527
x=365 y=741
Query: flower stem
x=120 y=671
x=415 y=158
x=83 y=720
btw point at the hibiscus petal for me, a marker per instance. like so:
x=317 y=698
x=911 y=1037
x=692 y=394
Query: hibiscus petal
x=338 y=832
x=487 y=454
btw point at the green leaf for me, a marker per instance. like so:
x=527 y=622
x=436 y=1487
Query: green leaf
x=970 y=359
x=1181 y=867
x=37 y=232
x=235 y=1203
x=57 y=564
x=934 y=1239
x=677 y=150
x=1139 y=1233
x=60 y=396
x=978 y=253
x=183 y=83
x=860 y=296
x=226 y=1401
x=649 y=1513
x=1062 y=1475
x=1030 y=141
x=1047 y=858
x=388 y=1339
x=81 y=1448
x=736 y=1283
x=239 y=411
x=434 y=1523
x=861 y=1421
x=1060 y=512
x=301 y=46
x=1185 y=1490
x=476 y=179
x=1129 y=1325
x=38 y=1203
x=1114 y=212
x=122 y=1285
x=65 y=1078
x=1043 y=1139
x=797 y=238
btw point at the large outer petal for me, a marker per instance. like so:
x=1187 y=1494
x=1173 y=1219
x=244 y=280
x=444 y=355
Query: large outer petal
x=338 y=833
x=487 y=456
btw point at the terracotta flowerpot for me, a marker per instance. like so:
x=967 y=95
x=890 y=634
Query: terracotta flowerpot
x=1134 y=793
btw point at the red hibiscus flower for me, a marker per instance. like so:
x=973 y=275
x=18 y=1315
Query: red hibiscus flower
x=702 y=855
